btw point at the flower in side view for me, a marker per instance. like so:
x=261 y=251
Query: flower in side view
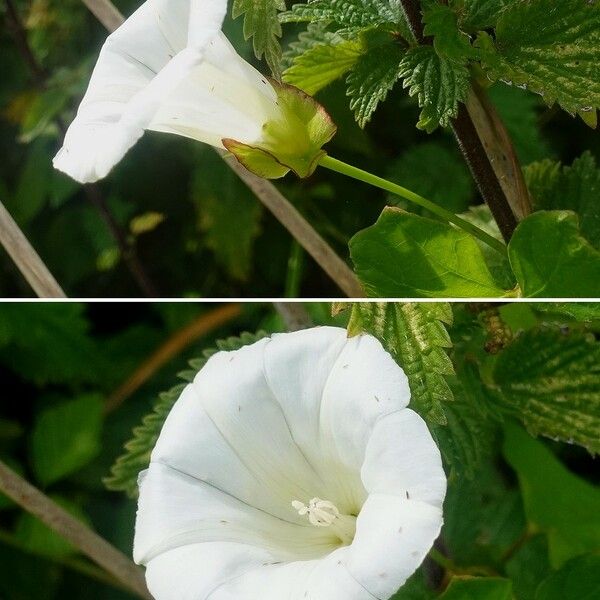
x=291 y=468
x=169 y=68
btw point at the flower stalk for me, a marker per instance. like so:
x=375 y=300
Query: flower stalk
x=345 y=169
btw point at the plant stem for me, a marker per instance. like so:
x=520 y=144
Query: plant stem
x=485 y=145
x=345 y=169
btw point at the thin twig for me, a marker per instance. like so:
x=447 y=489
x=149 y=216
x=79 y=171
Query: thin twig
x=92 y=191
x=270 y=196
x=171 y=347
x=73 y=530
x=486 y=146
x=294 y=315
x=26 y=258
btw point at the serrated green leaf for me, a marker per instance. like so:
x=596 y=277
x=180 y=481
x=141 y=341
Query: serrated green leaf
x=576 y=188
x=438 y=83
x=261 y=23
x=124 y=473
x=66 y=437
x=416 y=336
x=557 y=502
x=441 y=22
x=478 y=588
x=550 y=380
x=550 y=48
x=551 y=259
x=579 y=311
x=373 y=75
x=408 y=256
x=322 y=64
x=578 y=579
x=348 y=15
x=475 y=15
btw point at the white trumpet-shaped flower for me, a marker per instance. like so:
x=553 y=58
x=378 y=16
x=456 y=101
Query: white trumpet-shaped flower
x=291 y=468
x=169 y=68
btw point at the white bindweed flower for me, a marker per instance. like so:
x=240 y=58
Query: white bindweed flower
x=169 y=68
x=291 y=469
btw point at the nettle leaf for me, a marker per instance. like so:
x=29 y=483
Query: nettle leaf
x=571 y=519
x=549 y=47
x=415 y=335
x=322 y=64
x=348 y=15
x=576 y=188
x=439 y=84
x=410 y=256
x=125 y=471
x=475 y=15
x=550 y=381
x=261 y=23
x=481 y=588
x=66 y=437
x=449 y=41
x=373 y=75
x=551 y=259
x=585 y=312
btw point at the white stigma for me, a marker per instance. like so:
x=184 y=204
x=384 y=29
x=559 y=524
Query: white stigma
x=321 y=513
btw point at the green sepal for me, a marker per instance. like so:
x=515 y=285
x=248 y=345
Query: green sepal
x=293 y=142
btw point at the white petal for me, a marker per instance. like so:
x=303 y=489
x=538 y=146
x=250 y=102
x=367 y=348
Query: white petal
x=138 y=66
x=393 y=536
x=177 y=510
x=227 y=429
x=403 y=459
x=194 y=572
x=325 y=579
x=364 y=385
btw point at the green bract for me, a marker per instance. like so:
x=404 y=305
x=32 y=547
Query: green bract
x=292 y=142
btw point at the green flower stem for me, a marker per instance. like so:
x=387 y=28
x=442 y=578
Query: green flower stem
x=345 y=169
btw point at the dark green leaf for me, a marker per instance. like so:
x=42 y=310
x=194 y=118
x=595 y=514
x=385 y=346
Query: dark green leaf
x=405 y=255
x=550 y=380
x=261 y=23
x=528 y=566
x=578 y=579
x=576 y=188
x=557 y=502
x=66 y=437
x=549 y=47
x=372 y=77
x=438 y=83
x=478 y=588
x=551 y=259
x=475 y=15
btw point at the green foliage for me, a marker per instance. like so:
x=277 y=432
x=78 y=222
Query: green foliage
x=437 y=173
x=550 y=381
x=322 y=64
x=556 y=501
x=577 y=188
x=578 y=578
x=475 y=15
x=66 y=437
x=261 y=23
x=416 y=336
x=550 y=48
x=219 y=194
x=551 y=259
x=124 y=473
x=414 y=257
x=528 y=566
x=64 y=327
x=373 y=75
x=439 y=84
x=484 y=588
